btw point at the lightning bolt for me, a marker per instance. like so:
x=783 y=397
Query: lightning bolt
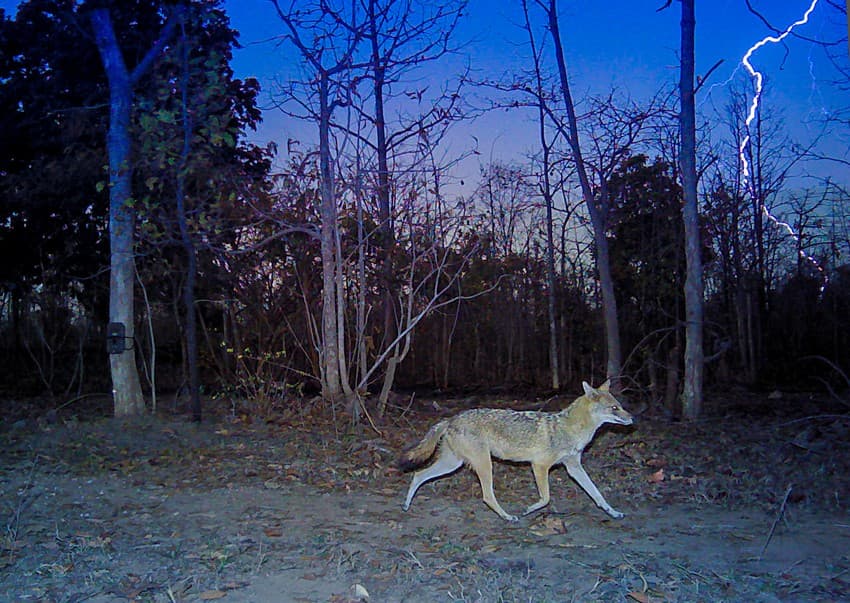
x=758 y=79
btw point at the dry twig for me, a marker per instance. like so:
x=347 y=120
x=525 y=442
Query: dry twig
x=776 y=520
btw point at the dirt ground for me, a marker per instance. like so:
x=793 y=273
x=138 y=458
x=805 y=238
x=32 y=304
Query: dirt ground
x=750 y=504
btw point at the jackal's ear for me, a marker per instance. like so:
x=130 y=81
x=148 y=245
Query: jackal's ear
x=605 y=386
x=588 y=391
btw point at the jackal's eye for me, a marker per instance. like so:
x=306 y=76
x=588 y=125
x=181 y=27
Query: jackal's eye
x=614 y=408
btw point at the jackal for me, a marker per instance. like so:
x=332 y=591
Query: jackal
x=542 y=438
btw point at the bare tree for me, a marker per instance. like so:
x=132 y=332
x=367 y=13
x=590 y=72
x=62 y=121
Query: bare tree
x=379 y=41
x=505 y=201
x=402 y=36
x=546 y=190
x=327 y=41
x=593 y=202
x=741 y=207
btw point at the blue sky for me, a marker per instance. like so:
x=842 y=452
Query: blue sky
x=625 y=44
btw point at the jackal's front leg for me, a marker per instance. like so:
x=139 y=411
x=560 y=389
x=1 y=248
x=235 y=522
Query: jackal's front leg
x=578 y=473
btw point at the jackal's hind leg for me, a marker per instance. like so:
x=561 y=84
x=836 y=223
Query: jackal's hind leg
x=483 y=466
x=541 y=477
x=446 y=463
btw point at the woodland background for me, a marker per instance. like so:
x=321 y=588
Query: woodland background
x=432 y=289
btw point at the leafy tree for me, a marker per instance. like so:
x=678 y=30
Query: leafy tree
x=195 y=175
x=648 y=261
x=51 y=157
x=126 y=389
x=53 y=210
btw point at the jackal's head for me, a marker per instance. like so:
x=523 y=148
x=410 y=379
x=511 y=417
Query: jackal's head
x=604 y=406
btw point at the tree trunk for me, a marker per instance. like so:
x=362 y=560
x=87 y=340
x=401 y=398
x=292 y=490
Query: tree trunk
x=331 y=383
x=594 y=209
x=360 y=316
x=126 y=388
x=386 y=233
x=554 y=353
x=692 y=393
x=344 y=380
x=188 y=245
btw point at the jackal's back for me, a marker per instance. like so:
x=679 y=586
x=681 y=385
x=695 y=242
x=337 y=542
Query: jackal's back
x=507 y=434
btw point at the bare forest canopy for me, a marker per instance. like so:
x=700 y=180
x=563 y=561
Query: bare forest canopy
x=424 y=287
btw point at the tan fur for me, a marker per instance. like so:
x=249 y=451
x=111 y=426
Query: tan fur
x=543 y=439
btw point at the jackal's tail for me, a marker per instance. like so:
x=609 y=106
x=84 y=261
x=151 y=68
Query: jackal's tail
x=418 y=455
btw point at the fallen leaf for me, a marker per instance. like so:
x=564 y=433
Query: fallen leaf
x=549 y=526
x=656 y=477
x=212 y=595
x=360 y=592
x=639 y=597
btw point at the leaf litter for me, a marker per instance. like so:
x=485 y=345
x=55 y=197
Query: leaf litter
x=749 y=504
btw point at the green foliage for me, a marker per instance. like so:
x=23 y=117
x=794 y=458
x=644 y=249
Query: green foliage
x=647 y=236
x=54 y=117
x=647 y=256
x=221 y=172
x=51 y=150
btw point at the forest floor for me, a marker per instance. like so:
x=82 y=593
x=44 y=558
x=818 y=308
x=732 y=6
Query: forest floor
x=750 y=504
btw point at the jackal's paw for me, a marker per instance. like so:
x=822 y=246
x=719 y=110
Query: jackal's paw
x=511 y=518
x=405 y=506
x=615 y=514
